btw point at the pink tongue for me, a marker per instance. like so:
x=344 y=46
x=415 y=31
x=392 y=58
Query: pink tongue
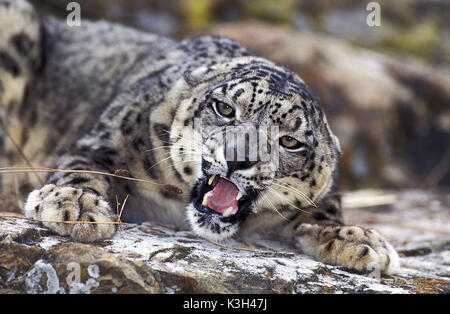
x=223 y=196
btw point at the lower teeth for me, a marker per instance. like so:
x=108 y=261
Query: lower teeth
x=227 y=212
x=205 y=201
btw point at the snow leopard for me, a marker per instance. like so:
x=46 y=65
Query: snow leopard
x=186 y=116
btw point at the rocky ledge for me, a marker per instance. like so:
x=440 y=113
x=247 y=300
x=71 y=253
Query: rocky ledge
x=152 y=258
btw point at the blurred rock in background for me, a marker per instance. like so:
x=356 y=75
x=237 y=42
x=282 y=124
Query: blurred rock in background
x=386 y=89
x=416 y=27
x=391 y=115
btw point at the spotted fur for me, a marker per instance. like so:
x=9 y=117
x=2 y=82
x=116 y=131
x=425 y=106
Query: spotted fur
x=105 y=97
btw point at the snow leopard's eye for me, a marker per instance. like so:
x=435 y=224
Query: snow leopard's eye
x=290 y=143
x=223 y=109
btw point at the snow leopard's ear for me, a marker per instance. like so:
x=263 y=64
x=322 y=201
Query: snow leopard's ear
x=334 y=138
x=337 y=144
x=201 y=75
x=190 y=78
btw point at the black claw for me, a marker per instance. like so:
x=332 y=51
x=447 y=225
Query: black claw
x=66 y=216
x=363 y=253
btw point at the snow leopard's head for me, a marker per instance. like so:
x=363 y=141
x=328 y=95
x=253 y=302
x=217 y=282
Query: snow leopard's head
x=252 y=135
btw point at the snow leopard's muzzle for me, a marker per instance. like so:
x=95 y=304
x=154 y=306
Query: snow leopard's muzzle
x=218 y=207
x=232 y=178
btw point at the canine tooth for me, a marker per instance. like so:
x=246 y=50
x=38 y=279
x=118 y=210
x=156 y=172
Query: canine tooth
x=228 y=212
x=211 y=179
x=238 y=197
x=205 y=200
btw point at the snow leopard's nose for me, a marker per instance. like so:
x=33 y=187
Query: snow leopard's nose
x=239 y=165
x=238 y=157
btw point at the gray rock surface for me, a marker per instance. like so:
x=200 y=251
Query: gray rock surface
x=152 y=258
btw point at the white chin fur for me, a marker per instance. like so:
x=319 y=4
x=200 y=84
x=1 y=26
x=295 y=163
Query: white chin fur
x=206 y=231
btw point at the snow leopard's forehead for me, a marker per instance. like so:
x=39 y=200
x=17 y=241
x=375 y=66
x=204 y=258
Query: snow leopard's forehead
x=267 y=94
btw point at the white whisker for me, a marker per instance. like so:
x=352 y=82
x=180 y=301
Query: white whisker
x=167 y=159
x=291 y=188
x=271 y=204
x=156 y=148
x=287 y=201
x=183 y=138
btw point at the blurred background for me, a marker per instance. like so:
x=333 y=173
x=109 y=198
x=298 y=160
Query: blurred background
x=385 y=89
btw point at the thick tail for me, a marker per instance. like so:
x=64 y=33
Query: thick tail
x=20 y=59
x=20 y=53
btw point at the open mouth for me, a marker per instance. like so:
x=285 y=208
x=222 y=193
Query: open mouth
x=224 y=196
x=217 y=195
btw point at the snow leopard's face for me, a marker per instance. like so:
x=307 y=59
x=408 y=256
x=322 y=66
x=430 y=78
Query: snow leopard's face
x=261 y=140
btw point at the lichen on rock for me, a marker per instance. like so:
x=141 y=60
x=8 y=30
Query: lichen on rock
x=152 y=258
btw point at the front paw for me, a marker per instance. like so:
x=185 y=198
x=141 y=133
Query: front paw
x=56 y=205
x=353 y=247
